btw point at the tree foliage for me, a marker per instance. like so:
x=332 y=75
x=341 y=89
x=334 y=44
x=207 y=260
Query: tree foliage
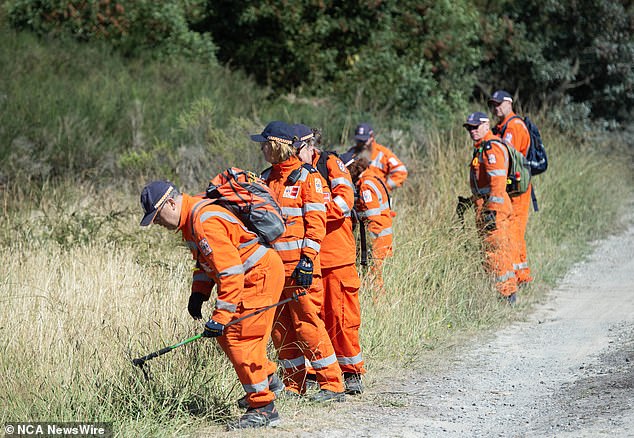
x=403 y=56
x=553 y=51
x=388 y=53
x=132 y=26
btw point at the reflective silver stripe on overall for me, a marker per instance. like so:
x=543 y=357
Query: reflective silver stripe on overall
x=293 y=363
x=385 y=232
x=350 y=360
x=256 y=387
x=309 y=243
x=323 y=363
x=377 y=161
x=291 y=245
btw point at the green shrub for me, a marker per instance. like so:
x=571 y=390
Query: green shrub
x=133 y=26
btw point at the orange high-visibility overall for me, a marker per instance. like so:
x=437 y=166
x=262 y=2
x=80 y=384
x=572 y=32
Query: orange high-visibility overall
x=248 y=277
x=517 y=135
x=374 y=209
x=387 y=165
x=298 y=331
x=341 y=310
x=488 y=174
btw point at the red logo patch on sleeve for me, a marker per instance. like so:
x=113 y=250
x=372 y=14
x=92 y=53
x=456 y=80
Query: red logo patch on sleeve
x=204 y=247
x=291 y=192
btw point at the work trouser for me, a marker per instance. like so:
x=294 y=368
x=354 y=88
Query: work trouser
x=299 y=332
x=245 y=343
x=381 y=250
x=341 y=313
x=499 y=252
x=519 y=220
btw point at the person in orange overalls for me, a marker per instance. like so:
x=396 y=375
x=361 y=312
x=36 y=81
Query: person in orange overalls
x=512 y=129
x=388 y=166
x=373 y=208
x=488 y=174
x=299 y=331
x=248 y=276
x=341 y=310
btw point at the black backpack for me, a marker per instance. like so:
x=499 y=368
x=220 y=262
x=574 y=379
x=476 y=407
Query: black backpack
x=536 y=155
x=322 y=164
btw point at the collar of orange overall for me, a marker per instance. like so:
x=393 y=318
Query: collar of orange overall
x=288 y=165
x=186 y=208
x=507 y=118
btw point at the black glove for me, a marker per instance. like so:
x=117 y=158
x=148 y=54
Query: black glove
x=195 y=305
x=213 y=329
x=303 y=273
x=463 y=204
x=488 y=219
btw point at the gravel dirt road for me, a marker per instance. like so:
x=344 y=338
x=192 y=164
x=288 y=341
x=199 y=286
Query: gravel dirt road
x=566 y=370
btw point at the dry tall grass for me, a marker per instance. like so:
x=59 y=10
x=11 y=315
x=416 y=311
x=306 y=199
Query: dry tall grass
x=84 y=289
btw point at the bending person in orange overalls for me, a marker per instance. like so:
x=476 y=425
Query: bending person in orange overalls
x=298 y=331
x=248 y=276
x=373 y=208
x=512 y=129
x=341 y=310
x=387 y=165
x=487 y=175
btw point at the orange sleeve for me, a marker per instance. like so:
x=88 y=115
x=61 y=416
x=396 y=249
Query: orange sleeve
x=396 y=172
x=369 y=206
x=342 y=188
x=517 y=135
x=496 y=162
x=201 y=282
x=314 y=210
x=223 y=256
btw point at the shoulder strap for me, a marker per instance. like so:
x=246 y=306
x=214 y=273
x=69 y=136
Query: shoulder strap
x=389 y=199
x=322 y=165
x=503 y=128
x=309 y=167
x=266 y=172
x=197 y=207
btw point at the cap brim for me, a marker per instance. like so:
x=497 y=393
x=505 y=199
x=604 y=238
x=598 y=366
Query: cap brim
x=472 y=124
x=149 y=218
x=258 y=138
x=495 y=101
x=362 y=137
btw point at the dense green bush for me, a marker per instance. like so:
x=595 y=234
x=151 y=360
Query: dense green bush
x=554 y=52
x=133 y=26
x=385 y=56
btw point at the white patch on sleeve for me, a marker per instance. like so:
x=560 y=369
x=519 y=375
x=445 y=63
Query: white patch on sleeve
x=393 y=161
x=342 y=166
x=367 y=196
x=509 y=137
x=204 y=247
x=491 y=158
x=318 y=187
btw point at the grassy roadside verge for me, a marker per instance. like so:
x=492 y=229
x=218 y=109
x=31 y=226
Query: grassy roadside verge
x=84 y=290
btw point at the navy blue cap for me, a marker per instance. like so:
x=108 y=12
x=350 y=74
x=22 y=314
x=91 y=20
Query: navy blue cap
x=363 y=132
x=302 y=133
x=500 y=96
x=476 y=119
x=153 y=197
x=278 y=131
x=347 y=158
